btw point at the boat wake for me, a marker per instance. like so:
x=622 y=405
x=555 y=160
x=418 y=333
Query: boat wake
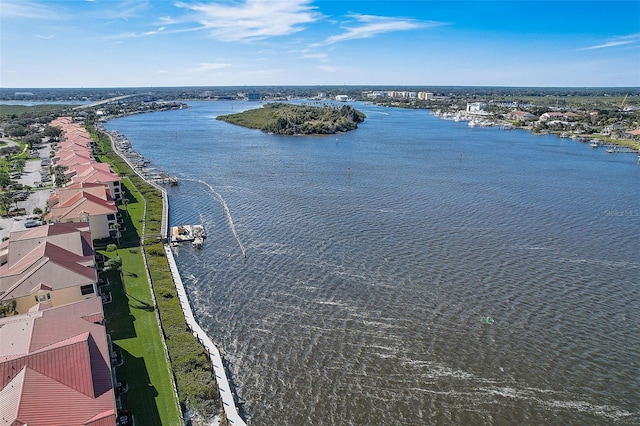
x=226 y=210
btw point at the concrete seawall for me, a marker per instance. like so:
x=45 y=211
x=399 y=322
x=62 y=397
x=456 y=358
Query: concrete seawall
x=224 y=386
x=214 y=354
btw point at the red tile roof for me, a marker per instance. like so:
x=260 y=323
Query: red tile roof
x=58 y=373
x=79 y=203
x=60 y=267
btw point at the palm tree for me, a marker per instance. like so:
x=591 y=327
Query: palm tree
x=115 y=263
x=116 y=228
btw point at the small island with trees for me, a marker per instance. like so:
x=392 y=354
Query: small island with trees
x=288 y=119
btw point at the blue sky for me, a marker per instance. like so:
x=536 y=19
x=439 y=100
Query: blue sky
x=141 y=43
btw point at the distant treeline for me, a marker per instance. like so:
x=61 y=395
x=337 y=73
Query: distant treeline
x=273 y=92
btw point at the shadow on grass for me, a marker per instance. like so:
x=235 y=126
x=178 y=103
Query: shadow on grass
x=141 y=304
x=118 y=317
x=140 y=398
x=130 y=237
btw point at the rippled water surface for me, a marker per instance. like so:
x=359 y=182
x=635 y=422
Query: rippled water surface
x=375 y=256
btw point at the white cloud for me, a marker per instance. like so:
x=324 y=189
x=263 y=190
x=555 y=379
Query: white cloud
x=168 y=20
x=206 y=67
x=328 y=68
x=616 y=41
x=27 y=9
x=126 y=9
x=370 y=25
x=128 y=35
x=320 y=56
x=607 y=44
x=47 y=37
x=253 y=19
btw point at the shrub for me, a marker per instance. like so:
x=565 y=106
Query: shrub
x=155 y=251
x=112 y=247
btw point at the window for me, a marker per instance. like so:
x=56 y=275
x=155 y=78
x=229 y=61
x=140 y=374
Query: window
x=86 y=289
x=111 y=217
x=43 y=297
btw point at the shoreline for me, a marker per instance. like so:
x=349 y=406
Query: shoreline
x=224 y=385
x=597 y=140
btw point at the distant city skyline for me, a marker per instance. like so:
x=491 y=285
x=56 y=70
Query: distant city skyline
x=138 y=43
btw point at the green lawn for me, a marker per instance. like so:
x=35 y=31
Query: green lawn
x=196 y=385
x=131 y=322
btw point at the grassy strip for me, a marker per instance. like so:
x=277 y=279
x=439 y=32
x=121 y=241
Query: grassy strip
x=131 y=322
x=632 y=144
x=192 y=370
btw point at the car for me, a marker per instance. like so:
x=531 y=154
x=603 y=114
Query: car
x=32 y=223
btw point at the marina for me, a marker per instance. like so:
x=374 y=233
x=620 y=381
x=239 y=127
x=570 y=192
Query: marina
x=137 y=161
x=318 y=323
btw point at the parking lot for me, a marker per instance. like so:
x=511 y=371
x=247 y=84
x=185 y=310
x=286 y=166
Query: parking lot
x=30 y=176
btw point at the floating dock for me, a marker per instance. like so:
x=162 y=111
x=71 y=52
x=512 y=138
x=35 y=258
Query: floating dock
x=194 y=234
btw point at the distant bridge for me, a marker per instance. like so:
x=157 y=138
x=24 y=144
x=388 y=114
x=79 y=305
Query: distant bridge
x=106 y=101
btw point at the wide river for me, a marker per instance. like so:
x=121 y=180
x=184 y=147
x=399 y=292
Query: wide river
x=373 y=259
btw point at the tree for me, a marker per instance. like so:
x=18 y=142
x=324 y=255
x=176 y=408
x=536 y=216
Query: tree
x=15 y=130
x=60 y=178
x=115 y=263
x=5 y=179
x=7 y=308
x=32 y=139
x=6 y=199
x=116 y=228
x=52 y=132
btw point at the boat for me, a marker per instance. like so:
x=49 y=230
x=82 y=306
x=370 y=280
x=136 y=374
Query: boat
x=189 y=233
x=197 y=242
x=594 y=144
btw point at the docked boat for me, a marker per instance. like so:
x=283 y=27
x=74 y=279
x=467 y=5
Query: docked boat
x=188 y=233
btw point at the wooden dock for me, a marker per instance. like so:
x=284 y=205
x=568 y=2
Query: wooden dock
x=194 y=234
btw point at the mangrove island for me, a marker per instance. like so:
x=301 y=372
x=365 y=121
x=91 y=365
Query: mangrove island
x=288 y=119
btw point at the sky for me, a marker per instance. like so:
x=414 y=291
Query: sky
x=152 y=43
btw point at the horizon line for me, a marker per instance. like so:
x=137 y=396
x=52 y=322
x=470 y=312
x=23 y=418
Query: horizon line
x=322 y=85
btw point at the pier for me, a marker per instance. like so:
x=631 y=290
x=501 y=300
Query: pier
x=198 y=233
x=228 y=400
x=613 y=149
x=121 y=145
x=137 y=162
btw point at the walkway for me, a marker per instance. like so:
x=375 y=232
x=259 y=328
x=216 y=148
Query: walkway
x=214 y=354
x=165 y=198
